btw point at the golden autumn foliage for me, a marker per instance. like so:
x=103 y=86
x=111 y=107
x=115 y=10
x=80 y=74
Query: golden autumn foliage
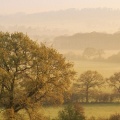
x=30 y=73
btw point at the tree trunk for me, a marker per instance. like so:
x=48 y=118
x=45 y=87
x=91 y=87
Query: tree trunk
x=11 y=115
x=87 y=95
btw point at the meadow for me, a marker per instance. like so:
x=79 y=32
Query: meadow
x=96 y=110
x=104 y=68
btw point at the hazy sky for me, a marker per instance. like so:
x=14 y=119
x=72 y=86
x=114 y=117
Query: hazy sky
x=32 y=6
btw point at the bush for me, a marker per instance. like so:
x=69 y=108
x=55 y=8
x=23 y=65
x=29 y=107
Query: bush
x=115 y=117
x=72 y=112
x=99 y=118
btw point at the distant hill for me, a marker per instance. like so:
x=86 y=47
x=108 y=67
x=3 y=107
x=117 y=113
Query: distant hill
x=114 y=58
x=85 y=40
x=73 y=20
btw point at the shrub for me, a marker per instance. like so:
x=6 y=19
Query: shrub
x=115 y=117
x=72 y=112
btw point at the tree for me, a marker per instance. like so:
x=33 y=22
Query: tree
x=92 y=53
x=88 y=81
x=30 y=73
x=72 y=112
x=114 y=81
x=100 y=52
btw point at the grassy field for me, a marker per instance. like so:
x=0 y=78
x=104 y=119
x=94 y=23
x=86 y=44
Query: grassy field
x=96 y=110
x=106 y=69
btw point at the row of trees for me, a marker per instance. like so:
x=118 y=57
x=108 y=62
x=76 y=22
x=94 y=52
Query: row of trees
x=92 y=54
x=90 y=84
x=87 y=54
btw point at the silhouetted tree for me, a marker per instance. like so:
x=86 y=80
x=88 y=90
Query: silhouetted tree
x=88 y=81
x=114 y=81
x=90 y=53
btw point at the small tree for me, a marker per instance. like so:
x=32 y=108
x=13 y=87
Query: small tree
x=30 y=73
x=72 y=112
x=88 y=81
x=90 y=53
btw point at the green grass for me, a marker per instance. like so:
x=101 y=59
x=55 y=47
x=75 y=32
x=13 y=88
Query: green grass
x=52 y=112
x=96 y=110
x=101 y=110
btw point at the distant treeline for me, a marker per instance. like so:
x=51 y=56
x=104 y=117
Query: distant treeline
x=92 y=54
x=85 y=40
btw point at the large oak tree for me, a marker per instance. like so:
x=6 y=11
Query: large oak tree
x=30 y=73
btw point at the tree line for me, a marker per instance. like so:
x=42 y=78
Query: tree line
x=92 y=87
x=92 y=54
